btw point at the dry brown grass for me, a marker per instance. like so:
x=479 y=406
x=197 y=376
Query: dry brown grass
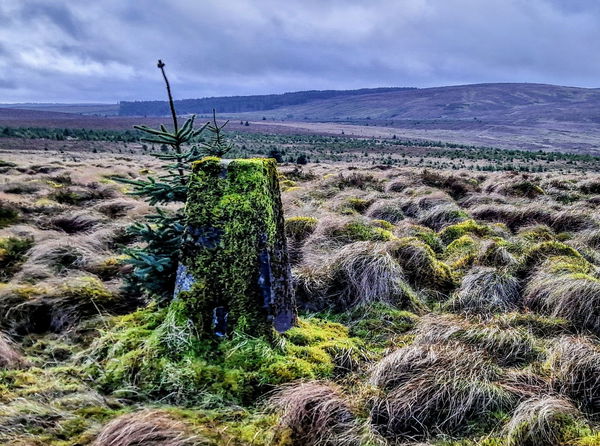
x=573 y=296
x=75 y=222
x=486 y=291
x=575 y=366
x=544 y=421
x=10 y=356
x=508 y=345
x=315 y=413
x=358 y=273
x=147 y=428
x=435 y=388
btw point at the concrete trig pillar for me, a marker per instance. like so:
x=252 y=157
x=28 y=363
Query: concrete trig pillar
x=234 y=272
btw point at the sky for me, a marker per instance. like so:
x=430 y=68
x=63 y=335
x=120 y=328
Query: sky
x=106 y=50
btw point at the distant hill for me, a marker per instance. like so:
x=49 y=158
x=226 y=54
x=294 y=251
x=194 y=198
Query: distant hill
x=492 y=103
x=499 y=103
x=241 y=104
x=82 y=109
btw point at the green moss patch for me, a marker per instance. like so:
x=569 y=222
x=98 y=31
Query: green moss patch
x=12 y=253
x=357 y=231
x=146 y=357
x=8 y=214
x=453 y=232
x=299 y=228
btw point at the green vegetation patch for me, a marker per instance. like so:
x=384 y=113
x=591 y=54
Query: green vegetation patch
x=299 y=228
x=8 y=214
x=147 y=355
x=12 y=253
x=452 y=232
x=357 y=231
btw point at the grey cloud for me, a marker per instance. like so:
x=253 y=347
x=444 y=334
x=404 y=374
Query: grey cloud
x=62 y=50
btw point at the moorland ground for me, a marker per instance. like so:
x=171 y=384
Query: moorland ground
x=448 y=295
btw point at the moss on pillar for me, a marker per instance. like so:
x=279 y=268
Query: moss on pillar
x=234 y=272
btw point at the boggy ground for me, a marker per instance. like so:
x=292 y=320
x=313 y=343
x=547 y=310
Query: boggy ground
x=437 y=307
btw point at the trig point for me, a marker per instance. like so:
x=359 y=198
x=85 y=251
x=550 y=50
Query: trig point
x=234 y=272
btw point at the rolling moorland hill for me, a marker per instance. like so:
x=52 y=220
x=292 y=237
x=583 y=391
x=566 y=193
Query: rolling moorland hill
x=497 y=103
x=501 y=102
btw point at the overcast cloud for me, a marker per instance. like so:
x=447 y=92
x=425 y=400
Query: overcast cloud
x=106 y=50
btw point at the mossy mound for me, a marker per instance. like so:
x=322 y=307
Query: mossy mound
x=298 y=229
x=538 y=253
x=56 y=307
x=147 y=355
x=8 y=214
x=377 y=323
x=357 y=231
x=453 y=232
x=461 y=253
x=421 y=265
x=545 y=421
x=12 y=253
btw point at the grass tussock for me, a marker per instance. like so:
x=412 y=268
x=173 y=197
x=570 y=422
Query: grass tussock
x=312 y=414
x=12 y=255
x=57 y=305
x=359 y=273
x=74 y=222
x=448 y=304
x=10 y=356
x=572 y=296
x=486 y=291
x=575 y=367
x=545 y=421
x=435 y=388
x=421 y=265
x=508 y=345
x=388 y=210
x=148 y=428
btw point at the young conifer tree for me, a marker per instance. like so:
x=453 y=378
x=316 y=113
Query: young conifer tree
x=155 y=261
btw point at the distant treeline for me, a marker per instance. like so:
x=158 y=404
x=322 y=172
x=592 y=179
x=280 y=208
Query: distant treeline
x=66 y=134
x=238 y=104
